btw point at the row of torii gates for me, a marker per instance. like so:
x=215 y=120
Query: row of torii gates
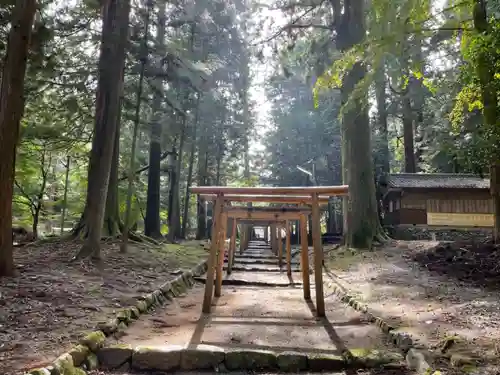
x=307 y=201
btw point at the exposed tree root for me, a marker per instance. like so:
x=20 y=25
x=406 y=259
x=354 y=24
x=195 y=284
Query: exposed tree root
x=80 y=231
x=138 y=237
x=89 y=249
x=381 y=238
x=43 y=241
x=113 y=229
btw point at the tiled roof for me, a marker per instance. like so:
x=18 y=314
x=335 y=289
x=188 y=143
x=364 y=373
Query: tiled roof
x=437 y=180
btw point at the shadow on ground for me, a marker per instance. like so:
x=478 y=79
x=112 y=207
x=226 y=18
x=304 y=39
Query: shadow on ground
x=421 y=291
x=216 y=318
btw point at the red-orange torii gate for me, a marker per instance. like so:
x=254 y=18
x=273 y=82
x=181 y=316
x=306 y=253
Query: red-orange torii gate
x=222 y=195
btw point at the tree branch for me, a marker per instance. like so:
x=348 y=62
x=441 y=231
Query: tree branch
x=146 y=167
x=294 y=24
x=23 y=193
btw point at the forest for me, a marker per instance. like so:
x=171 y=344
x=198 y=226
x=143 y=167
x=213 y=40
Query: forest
x=111 y=110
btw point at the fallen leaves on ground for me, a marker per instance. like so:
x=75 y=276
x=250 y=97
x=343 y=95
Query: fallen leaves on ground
x=46 y=308
x=475 y=262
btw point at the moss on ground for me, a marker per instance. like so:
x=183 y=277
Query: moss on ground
x=187 y=254
x=345 y=259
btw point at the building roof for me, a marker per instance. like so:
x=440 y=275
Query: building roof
x=437 y=181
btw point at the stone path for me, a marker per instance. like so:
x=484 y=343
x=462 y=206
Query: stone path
x=261 y=308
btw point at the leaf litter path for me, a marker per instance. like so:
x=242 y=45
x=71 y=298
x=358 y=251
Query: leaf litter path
x=46 y=308
x=267 y=317
x=432 y=306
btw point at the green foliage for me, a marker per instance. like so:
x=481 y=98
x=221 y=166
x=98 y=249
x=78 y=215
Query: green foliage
x=476 y=48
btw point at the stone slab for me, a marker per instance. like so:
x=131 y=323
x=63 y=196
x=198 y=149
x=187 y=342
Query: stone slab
x=255 y=256
x=269 y=279
x=244 y=260
x=261 y=268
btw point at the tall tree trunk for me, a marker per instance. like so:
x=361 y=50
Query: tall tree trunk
x=174 y=206
x=246 y=145
x=112 y=225
x=38 y=206
x=218 y=162
x=201 y=228
x=176 y=202
x=408 y=135
x=65 y=196
x=192 y=156
x=11 y=112
x=362 y=213
x=137 y=117
x=152 y=227
x=381 y=97
x=36 y=220
x=111 y=66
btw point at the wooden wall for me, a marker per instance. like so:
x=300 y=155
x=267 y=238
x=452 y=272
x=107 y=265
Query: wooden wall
x=448 y=207
x=451 y=201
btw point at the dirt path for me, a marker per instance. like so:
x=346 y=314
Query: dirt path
x=251 y=316
x=432 y=308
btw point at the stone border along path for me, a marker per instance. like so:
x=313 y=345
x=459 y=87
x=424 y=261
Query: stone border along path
x=84 y=356
x=417 y=357
x=221 y=357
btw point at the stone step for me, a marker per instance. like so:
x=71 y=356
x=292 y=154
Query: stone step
x=252 y=261
x=250 y=268
x=255 y=256
x=263 y=254
x=260 y=279
x=203 y=357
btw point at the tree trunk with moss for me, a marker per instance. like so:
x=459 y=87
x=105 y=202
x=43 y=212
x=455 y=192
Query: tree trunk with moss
x=12 y=108
x=363 y=225
x=112 y=225
x=111 y=64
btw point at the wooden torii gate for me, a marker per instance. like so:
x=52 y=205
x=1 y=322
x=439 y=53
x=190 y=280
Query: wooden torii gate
x=223 y=195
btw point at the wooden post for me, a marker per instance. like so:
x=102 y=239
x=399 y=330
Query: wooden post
x=266 y=234
x=304 y=258
x=212 y=258
x=232 y=249
x=248 y=236
x=318 y=257
x=280 y=247
x=272 y=237
x=288 y=249
x=242 y=238
x=222 y=251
